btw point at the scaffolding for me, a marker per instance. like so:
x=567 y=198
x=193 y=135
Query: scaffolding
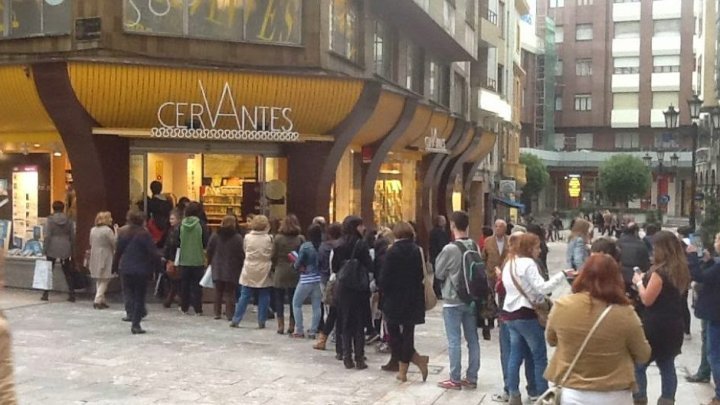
x=546 y=62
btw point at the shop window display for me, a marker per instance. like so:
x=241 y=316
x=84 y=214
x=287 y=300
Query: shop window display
x=28 y=18
x=387 y=204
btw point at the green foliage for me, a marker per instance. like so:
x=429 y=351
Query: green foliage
x=624 y=178
x=710 y=224
x=537 y=174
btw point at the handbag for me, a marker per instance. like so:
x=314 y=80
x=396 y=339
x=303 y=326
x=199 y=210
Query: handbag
x=352 y=276
x=553 y=395
x=172 y=271
x=542 y=309
x=428 y=280
x=328 y=297
x=207 y=281
x=43 y=277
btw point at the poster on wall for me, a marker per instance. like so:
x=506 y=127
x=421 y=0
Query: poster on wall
x=24 y=203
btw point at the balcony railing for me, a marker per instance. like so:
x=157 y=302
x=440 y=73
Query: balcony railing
x=491 y=84
x=492 y=17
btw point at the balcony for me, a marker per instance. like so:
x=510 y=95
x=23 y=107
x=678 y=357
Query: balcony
x=625 y=118
x=626 y=83
x=666 y=81
x=626 y=47
x=490 y=35
x=666 y=9
x=626 y=11
x=489 y=101
x=666 y=45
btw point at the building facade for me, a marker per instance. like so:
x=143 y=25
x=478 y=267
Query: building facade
x=329 y=107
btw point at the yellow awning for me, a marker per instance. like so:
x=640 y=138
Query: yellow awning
x=21 y=110
x=386 y=114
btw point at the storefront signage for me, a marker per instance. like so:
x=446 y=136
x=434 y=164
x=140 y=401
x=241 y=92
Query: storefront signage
x=434 y=144
x=224 y=119
x=574 y=186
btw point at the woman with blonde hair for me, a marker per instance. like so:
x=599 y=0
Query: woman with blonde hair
x=255 y=273
x=577 y=250
x=102 y=250
x=661 y=292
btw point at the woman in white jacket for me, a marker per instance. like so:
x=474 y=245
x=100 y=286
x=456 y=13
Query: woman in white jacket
x=102 y=250
x=522 y=282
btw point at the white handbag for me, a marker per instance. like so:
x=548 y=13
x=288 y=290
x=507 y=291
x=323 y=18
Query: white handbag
x=43 y=276
x=553 y=395
x=207 y=280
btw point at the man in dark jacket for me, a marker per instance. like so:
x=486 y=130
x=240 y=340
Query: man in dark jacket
x=439 y=237
x=633 y=253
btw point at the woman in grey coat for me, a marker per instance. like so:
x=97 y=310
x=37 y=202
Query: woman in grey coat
x=59 y=236
x=102 y=250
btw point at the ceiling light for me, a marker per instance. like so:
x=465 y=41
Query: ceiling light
x=57 y=153
x=36 y=145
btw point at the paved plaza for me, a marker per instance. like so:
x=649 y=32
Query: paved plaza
x=72 y=354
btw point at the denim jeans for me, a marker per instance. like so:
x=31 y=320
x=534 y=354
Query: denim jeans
x=527 y=358
x=713 y=344
x=526 y=332
x=704 y=370
x=457 y=319
x=668 y=378
x=303 y=291
x=245 y=296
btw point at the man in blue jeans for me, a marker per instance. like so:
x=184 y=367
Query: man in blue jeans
x=457 y=315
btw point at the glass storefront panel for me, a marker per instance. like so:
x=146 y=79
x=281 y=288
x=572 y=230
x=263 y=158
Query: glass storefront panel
x=157 y=17
x=216 y=19
x=27 y=18
x=395 y=189
x=273 y=21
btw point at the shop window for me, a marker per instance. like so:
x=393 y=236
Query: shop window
x=29 y=18
x=385 y=43
x=394 y=198
x=345 y=38
x=268 y=21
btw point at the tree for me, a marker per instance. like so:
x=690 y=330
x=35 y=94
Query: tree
x=536 y=173
x=624 y=178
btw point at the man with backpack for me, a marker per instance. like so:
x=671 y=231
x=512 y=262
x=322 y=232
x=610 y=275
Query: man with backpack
x=461 y=268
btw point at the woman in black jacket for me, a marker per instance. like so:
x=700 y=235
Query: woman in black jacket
x=352 y=304
x=226 y=255
x=169 y=253
x=401 y=281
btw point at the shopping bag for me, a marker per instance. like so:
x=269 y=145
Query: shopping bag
x=43 y=278
x=428 y=281
x=207 y=280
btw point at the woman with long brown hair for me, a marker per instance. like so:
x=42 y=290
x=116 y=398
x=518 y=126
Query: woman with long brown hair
x=661 y=291
x=604 y=372
x=577 y=250
x=285 y=278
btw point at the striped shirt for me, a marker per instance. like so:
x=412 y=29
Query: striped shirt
x=308 y=258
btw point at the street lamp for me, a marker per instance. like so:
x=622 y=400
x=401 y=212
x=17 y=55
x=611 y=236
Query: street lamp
x=647 y=159
x=671 y=117
x=694 y=105
x=674 y=159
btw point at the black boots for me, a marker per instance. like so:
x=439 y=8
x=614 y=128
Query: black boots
x=44 y=296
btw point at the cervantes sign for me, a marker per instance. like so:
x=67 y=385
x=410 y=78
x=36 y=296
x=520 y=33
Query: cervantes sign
x=434 y=144
x=224 y=120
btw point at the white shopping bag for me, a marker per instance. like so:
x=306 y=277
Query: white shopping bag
x=207 y=280
x=43 y=277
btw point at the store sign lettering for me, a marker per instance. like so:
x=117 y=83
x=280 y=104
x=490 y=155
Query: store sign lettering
x=203 y=120
x=574 y=186
x=434 y=144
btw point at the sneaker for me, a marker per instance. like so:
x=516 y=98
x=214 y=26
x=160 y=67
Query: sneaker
x=697 y=379
x=450 y=385
x=372 y=338
x=534 y=399
x=504 y=397
x=384 y=348
x=467 y=384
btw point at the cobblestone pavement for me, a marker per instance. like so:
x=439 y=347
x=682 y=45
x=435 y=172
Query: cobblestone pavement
x=72 y=354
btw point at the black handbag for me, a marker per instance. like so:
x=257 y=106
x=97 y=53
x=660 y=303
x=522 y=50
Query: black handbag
x=352 y=275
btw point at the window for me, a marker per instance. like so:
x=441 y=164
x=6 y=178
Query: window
x=559 y=141
x=439 y=83
x=459 y=96
x=661 y=100
x=415 y=72
x=492 y=69
x=584 y=141
x=666 y=28
x=501 y=79
x=583 y=102
x=627 y=1
x=501 y=19
x=584 y=2
x=666 y=64
x=583 y=32
x=558 y=103
x=34 y=18
x=627 y=29
x=449 y=16
x=625 y=101
x=626 y=66
x=434 y=81
x=471 y=12
x=559 y=68
x=583 y=67
x=559 y=34
x=570 y=143
x=345 y=38
x=627 y=140
x=557 y=3
x=383 y=50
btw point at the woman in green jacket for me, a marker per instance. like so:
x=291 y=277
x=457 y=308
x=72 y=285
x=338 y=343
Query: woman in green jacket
x=285 y=278
x=194 y=237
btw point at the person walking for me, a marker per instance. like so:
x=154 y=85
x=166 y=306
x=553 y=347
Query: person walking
x=577 y=250
x=136 y=258
x=458 y=316
x=170 y=256
x=309 y=283
x=353 y=304
x=707 y=309
x=285 y=278
x=661 y=291
x=439 y=238
x=59 y=240
x=194 y=237
x=403 y=306
x=255 y=275
x=102 y=251
x=226 y=256
x=633 y=253
x=525 y=287
x=494 y=253
x=334 y=232
x=604 y=372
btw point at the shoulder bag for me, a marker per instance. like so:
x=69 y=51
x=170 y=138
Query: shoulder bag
x=428 y=280
x=542 y=309
x=352 y=275
x=553 y=395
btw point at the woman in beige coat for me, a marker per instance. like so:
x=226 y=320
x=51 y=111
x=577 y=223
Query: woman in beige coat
x=255 y=274
x=102 y=250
